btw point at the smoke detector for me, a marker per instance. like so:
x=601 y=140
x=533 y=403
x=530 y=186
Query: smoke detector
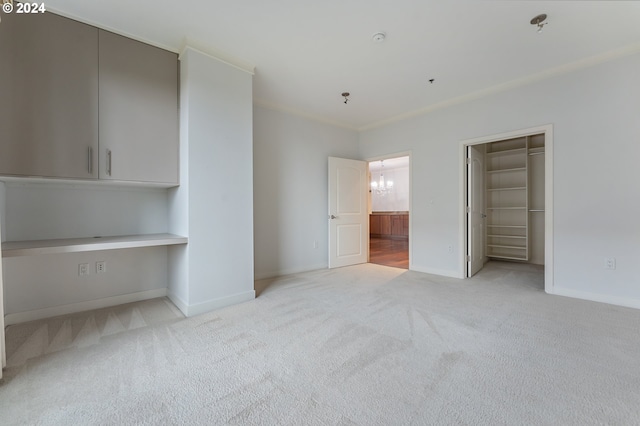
x=378 y=37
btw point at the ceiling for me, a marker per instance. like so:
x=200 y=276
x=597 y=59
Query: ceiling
x=307 y=53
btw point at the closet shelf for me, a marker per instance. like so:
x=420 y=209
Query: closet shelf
x=511 y=257
x=507 y=152
x=536 y=210
x=506 y=247
x=508 y=236
x=73 y=245
x=515 y=188
x=507 y=208
x=517 y=169
x=507 y=226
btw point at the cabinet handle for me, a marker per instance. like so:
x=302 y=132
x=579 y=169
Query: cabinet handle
x=90 y=160
x=108 y=162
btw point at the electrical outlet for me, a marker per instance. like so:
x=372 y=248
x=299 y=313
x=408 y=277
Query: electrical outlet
x=101 y=267
x=83 y=269
x=450 y=249
x=315 y=244
x=609 y=263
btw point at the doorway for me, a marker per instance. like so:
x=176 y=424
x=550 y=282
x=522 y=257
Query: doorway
x=507 y=200
x=389 y=207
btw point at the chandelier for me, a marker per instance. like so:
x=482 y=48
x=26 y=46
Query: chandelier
x=382 y=187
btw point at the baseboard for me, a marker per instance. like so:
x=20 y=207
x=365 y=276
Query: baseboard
x=283 y=272
x=595 y=297
x=433 y=271
x=73 y=308
x=180 y=304
x=213 y=304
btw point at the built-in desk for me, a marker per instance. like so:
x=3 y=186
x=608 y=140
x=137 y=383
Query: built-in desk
x=73 y=245
x=52 y=288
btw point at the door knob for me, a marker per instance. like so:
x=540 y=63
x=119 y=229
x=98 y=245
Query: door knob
x=333 y=217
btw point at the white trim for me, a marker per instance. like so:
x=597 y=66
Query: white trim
x=434 y=271
x=213 y=304
x=548 y=209
x=548 y=195
x=509 y=85
x=218 y=56
x=88 y=305
x=595 y=297
x=299 y=113
x=111 y=29
x=180 y=304
x=283 y=272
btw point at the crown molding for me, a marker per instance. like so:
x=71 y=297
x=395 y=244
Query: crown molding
x=217 y=55
x=281 y=108
x=114 y=30
x=187 y=44
x=519 y=82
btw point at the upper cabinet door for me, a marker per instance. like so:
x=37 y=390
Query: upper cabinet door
x=48 y=97
x=138 y=111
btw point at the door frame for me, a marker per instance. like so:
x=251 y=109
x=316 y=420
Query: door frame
x=471 y=195
x=548 y=195
x=386 y=157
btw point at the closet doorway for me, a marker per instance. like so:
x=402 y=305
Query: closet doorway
x=507 y=200
x=389 y=206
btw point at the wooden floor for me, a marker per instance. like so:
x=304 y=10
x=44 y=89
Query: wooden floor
x=388 y=252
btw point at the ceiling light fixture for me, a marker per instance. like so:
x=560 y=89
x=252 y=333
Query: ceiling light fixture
x=381 y=187
x=346 y=96
x=539 y=21
x=378 y=37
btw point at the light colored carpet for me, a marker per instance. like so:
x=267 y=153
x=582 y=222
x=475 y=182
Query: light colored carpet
x=35 y=338
x=363 y=345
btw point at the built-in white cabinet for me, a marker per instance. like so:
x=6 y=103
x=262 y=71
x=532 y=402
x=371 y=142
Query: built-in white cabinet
x=48 y=97
x=509 y=197
x=82 y=103
x=138 y=111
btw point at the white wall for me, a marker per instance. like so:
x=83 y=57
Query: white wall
x=594 y=112
x=214 y=204
x=39 y=211
x=398 y=199
x=290 y=190
x=36 y=283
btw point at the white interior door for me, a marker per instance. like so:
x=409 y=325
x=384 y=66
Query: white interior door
x=348 y=215
x=475 y=210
